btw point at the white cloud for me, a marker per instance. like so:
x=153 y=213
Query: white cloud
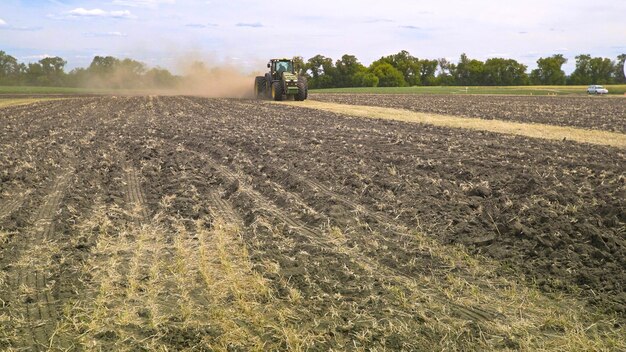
x=143 y=3
x=82 y=12
x=253 y=25
x=36 y=57
x=106 y=34
x=200 y=25
x=7 y=27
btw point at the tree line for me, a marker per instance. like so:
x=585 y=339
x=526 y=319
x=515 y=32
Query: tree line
x=396 y=70
x=403 y=69
x=103 y=72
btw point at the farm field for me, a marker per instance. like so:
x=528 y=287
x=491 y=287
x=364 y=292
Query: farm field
x=585 y=112
x=185 y=223
x=614 y=89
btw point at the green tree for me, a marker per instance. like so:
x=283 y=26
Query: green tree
x=346 y=70
x=365 y=79
x=388 y=76
x=34 y=74
x=469 y=72
x=597 y=70
x=406 y=64
x=159 y=78
x=110 y=72
x=446 y=72
x=582 y=73
x=103 y=65
x=322 y=72
x=619 y=69
x=504 y=72
x=77 y=77
x=602 y=70
x=10 y=70
x=427 y=70
x=129 y=73
x=299 y=65
x=53 y=73
x=549 y=71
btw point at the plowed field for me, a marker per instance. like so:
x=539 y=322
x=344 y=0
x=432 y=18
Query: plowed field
x=177 y=223
x=591 y=112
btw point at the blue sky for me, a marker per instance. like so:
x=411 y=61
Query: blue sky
x=165 y=32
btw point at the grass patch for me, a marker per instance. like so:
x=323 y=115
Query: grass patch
x=21 y=101
x=509 y=90
x=533 y=130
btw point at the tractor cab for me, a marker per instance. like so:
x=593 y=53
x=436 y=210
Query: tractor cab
x=278 y=66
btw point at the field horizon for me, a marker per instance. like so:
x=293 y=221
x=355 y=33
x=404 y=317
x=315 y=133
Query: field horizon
x=614 y=90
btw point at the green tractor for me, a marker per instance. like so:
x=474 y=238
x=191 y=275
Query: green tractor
x=281 y=82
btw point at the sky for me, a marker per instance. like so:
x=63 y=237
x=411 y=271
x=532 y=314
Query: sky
x=247 y=33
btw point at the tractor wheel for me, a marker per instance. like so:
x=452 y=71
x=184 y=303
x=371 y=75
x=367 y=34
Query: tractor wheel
x=302 y=92
x=277 y=91
x=306 y=86
x=259 y=87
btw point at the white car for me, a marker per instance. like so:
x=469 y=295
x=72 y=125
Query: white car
x=595 y=89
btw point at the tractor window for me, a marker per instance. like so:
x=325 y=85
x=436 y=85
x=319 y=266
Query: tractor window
x=284 y=66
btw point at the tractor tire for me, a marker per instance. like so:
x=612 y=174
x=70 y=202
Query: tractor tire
x=259 y=87
x=306 y=86
x=277 y=91
x=302 y=92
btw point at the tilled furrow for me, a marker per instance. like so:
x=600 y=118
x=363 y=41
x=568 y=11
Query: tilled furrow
x=32 y=302
x=265 y=206
x=12 y=204
x=134 y=194
x=319 y=238
x=221 y=208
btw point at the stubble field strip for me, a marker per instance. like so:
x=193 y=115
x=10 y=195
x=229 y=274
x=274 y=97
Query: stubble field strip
x=522 y=129
x=594 y=113
x=22 y=101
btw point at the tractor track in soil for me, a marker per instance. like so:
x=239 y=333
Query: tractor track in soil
x=134 y=194
x=469 y=181
x=345 y=232
x=12 y=203
x=263 y=207
x=266 y=207
x=31 y=300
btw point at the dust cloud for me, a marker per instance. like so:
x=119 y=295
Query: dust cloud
x=193 y=76
x=217 y=81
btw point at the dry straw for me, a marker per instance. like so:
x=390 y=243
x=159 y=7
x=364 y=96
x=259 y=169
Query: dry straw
x=534 y=130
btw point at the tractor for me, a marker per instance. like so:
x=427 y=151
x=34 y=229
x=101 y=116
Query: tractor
x=281 y=82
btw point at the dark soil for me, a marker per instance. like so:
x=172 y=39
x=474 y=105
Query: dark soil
x=600 y=113
x=554 y=211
